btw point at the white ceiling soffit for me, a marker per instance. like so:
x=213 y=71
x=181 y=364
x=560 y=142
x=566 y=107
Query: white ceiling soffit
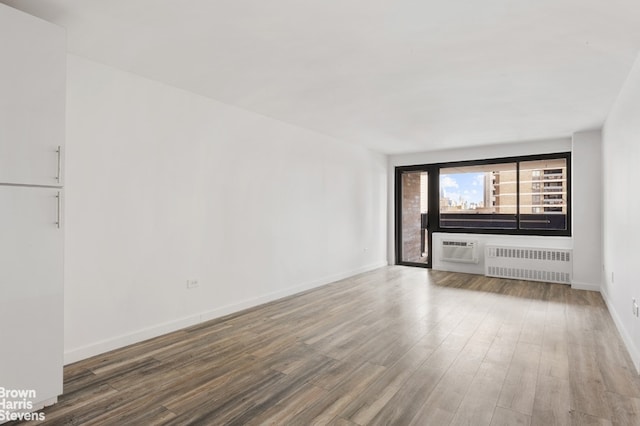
x=393 y=75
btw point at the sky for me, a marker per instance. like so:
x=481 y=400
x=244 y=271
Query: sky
x=468 y=185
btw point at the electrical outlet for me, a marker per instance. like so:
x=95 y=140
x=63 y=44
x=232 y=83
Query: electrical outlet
x=192 y=284
x=636 y=309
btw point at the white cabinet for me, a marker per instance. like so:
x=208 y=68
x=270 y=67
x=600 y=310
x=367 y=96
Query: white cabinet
x=32 y=121
x=31 y=285
x=32 y=98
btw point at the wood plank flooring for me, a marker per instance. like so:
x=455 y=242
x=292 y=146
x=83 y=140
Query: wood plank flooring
x=395 y=346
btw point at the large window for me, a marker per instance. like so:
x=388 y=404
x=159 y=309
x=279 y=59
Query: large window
x=517 y=195
x=523 y=194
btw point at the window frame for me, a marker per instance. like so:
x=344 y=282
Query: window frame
x=434 y=195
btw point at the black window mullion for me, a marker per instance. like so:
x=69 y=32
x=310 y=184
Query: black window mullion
x=518 y=195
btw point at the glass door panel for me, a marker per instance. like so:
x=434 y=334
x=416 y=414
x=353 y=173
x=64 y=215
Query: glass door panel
x=414 y=209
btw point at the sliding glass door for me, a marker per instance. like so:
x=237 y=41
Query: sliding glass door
x=413 y=243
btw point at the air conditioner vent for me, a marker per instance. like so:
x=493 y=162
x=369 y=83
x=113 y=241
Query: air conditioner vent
x=460 y=251
x=457 y=243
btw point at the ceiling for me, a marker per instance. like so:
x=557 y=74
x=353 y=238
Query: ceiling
x=394 y=75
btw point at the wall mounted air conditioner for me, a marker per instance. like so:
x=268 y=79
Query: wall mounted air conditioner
x=460 y=251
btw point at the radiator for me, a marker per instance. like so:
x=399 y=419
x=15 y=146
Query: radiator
x=527 y=263
x=459 y=251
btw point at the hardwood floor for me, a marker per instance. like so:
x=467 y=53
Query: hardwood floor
x=396 y=346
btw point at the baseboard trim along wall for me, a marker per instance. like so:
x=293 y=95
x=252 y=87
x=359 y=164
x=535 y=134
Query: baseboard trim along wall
x=585 y=286
x=78 y=354
x=628 y=341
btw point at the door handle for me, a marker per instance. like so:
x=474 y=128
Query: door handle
x=424 y=220
x=58 y=209
x=59 y=152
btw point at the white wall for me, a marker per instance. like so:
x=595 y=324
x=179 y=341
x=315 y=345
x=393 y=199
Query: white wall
x=476 y=153
x=621 y=171
x=165 y=186
x=586 y=201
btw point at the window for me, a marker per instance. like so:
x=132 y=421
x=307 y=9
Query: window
x=522 y=195
x=482 y=196
x=527 y=195
x=547 y=209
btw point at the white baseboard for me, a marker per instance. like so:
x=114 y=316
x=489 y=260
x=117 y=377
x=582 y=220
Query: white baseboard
x=37 y=406
x=585 y=286
x=106 y=345
x=626 y=338
x=102 y=346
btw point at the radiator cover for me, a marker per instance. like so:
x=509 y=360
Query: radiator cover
x=529 y=263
